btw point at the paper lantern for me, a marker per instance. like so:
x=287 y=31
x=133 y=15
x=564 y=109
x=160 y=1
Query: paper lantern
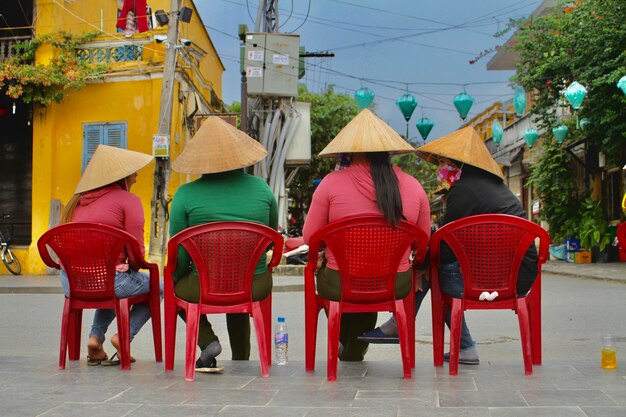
x=575 y=94
x=530 y=136
x=364 y=97
x=584 y=123
x=406 y=103
x=519 y=100
x=622 y=84
x=560 y=133
x=497 y=132
x=424 y=126
x=463 y=103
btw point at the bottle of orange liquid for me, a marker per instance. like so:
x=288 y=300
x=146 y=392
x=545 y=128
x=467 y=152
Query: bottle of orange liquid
x=609 y=352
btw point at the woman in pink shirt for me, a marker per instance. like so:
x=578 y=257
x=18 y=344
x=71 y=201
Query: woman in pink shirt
x=102 y=196
x=370 y=185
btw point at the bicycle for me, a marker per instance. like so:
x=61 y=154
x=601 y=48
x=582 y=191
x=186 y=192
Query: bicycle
x=8 y=258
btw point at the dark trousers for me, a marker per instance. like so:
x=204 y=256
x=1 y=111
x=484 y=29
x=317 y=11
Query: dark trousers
x=238 y=324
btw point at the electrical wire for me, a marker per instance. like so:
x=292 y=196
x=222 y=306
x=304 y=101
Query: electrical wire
x=305 y=18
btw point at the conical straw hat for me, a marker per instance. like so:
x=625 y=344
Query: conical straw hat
x=463 y=145
x=366 y=133
x=110 y=164
x=218 y=147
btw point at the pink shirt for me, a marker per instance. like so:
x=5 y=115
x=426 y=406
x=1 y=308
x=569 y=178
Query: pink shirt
x=351 y=192
x=113 y=206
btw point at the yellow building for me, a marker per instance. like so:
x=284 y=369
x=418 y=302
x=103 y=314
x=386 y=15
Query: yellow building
x=120 y=108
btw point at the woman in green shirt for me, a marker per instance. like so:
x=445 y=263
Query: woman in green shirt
x=224 y=192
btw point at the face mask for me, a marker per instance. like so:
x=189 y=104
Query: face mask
x=447 y=175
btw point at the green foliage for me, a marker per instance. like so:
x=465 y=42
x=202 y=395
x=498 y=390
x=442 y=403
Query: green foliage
x=583 y=41
x=593 y=227
x=418 y=168
x=21 y=78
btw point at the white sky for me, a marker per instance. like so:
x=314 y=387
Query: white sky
x=434 y=42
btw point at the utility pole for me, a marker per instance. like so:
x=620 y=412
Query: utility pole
x=158 y=204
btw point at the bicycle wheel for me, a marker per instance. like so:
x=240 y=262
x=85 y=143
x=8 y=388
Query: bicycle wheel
x=11 y=262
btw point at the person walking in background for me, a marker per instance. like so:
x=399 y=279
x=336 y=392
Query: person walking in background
x=224 y=192
x=103 y=196
x=475 y=186
x=370 y=184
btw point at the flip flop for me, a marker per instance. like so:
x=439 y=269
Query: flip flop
x=210 y=367
x=377 y=336
x=96 y=362
x=115 y=360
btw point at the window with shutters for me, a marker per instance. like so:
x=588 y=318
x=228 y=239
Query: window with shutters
x=94 y=134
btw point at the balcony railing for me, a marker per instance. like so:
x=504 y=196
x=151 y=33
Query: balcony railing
x=102 y=54
x=7 y=44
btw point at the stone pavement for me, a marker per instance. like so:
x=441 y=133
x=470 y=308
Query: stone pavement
x=569 y=383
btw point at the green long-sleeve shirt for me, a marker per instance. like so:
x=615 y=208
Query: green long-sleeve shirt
x=225 y=196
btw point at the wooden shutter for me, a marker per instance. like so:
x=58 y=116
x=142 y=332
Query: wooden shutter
x=112 y=134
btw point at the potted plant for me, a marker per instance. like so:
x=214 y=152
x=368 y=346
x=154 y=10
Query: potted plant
x=593 y=230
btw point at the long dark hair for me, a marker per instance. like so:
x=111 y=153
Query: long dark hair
x=386 y=184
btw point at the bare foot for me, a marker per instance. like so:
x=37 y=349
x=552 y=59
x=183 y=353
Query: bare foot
x=115 y=341
x=95 y=350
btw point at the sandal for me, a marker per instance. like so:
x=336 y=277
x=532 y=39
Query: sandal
x=115 y=360
x=96 y=361
x=208 y=366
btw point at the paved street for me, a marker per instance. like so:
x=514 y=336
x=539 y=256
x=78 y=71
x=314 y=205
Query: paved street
x=577 y=312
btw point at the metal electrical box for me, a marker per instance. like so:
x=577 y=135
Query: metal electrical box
x=271 y=62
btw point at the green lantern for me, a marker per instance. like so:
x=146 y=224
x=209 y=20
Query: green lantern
x=530 y=136
x=497 y=132
x=622 y=84
x=519 y=100
x=463 y=103
x=584 y=123
x=424 y=126
x=560 y=133
x=575 y=94
x=364 y=97
x=406 y=103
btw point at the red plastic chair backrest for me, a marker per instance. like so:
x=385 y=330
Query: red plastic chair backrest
x=490 y=249
x=368 y=251
x=88 y=252
x=225 y=255
x=621 y=236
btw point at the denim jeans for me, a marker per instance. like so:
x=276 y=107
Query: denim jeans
x=451 y=282
x=127 y=284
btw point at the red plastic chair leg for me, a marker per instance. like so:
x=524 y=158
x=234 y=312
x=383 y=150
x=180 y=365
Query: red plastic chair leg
x=123 y=331
x=155 y=317
x=311 y=315
x=76 y=321
x=261 y=339
x=524 y=328
x=456 y=320
x=64 y=333
x=404 y=336
x=534 y=310
x=334 y=323
x=266 y=310
x=438 y=331
x=170 y=317
x=192 y=316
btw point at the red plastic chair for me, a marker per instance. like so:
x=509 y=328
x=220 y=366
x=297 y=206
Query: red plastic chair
x=89 y=253
x=621 y=237
x=225 y=255
x=368 y=251
x=490 y=249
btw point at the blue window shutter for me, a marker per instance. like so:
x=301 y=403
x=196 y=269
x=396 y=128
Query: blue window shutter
x=115 y=135
x=112 y=134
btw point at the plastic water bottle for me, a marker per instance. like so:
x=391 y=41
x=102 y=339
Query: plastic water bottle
x=281 y=342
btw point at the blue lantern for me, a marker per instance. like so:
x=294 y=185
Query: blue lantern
x=463 y=103
x=530 y=136
x=519 y=100
x=497 y=132
x=575 y=94
x=584 y=123
x=424 y=126
x=364 y=97
x=406 y=103
x=560 y=133
x=622 y=84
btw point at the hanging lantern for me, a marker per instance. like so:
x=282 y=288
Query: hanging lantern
x=364 y=97
x=519 y=100
x=497 y=132
x=463 y=103
x=622 y=84
x=424 y=126
x=560 y=133
x=584 y=123
x=530 y=136
x=575 y=94
x=406 y=103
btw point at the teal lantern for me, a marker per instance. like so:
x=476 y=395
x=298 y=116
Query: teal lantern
x=622 y=84
x=519 y=100
x=497 y=132
x=424 y=126
x=406 y=103
x=575 y=94
x=584 y=123
x=560 y=133
x=364 y=97
x=530 y=136
x=463 y=103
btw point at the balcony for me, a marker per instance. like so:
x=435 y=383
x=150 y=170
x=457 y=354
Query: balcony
x=110 y=53
x=6 y=46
